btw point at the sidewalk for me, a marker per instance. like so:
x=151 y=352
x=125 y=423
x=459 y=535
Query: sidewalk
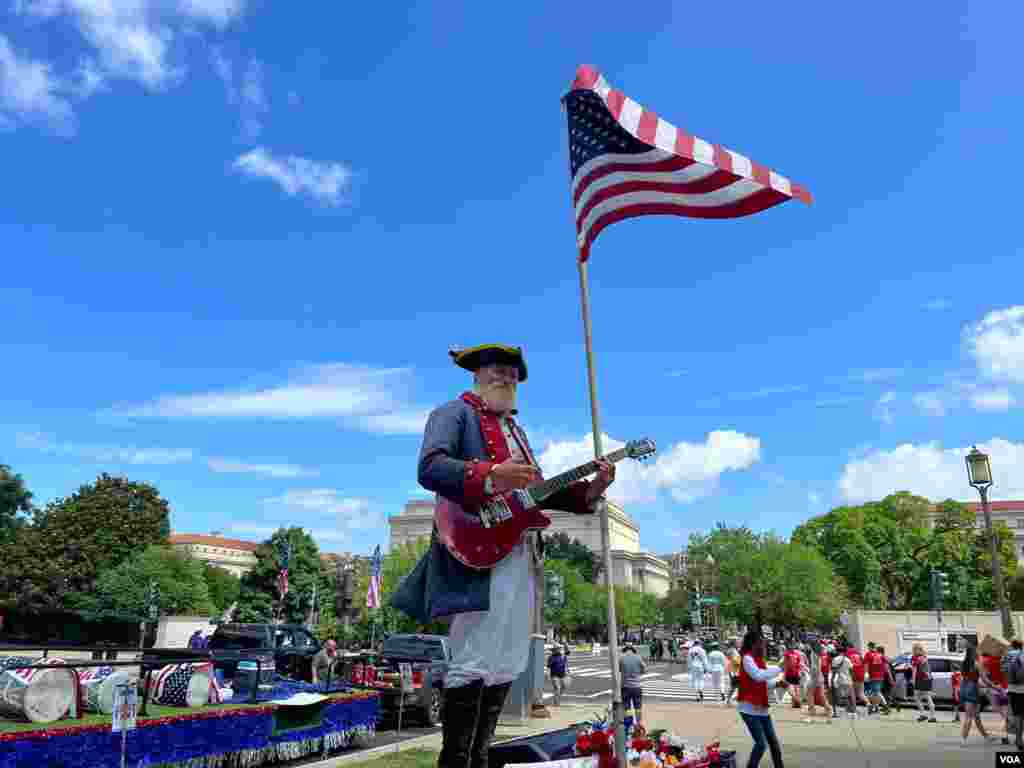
x=896 y=740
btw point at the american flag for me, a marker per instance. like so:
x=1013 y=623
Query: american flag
x=171 y=685
x=373 y=590
x=13 y=665
x=282 y=577
x=626 y=161
x=94 y=673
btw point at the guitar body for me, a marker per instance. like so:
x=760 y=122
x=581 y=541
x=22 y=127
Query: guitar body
x=482 y=537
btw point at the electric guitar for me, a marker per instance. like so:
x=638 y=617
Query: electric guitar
x=482 y=536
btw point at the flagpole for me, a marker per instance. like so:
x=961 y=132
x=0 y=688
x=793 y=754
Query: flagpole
x=606 y=553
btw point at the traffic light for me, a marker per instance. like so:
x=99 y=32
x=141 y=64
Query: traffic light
x=940 y=589
x=554 y=590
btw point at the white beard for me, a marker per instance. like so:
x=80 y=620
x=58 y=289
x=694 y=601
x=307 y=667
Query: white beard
x=500 y=399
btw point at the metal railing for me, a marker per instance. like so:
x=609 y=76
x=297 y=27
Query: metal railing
x=148 y=666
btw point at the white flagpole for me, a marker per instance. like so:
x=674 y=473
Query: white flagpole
x=613 y=630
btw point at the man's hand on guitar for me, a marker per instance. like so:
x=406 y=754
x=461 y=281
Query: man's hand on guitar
x=605 y=477
x=511 y=475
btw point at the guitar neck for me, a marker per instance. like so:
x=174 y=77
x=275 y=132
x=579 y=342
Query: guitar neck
x=550 y=487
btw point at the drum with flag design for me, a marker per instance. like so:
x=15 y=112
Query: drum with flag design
x=185 y=685
x=97 y=686
x=40 y=695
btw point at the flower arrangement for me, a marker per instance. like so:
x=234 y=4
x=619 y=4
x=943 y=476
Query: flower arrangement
x=644 y=751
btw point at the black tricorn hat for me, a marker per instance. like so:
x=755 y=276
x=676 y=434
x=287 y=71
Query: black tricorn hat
x=476 y=357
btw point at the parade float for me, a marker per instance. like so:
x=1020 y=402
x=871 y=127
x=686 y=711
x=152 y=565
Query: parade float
x=60 y=717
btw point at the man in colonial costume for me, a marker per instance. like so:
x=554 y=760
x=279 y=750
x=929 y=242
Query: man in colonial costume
x=473 y=447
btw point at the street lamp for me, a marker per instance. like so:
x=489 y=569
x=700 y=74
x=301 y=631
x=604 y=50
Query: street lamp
x=711 y=588
x=979 y=474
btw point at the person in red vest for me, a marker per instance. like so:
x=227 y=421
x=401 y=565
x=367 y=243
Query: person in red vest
x=753 y=704
x=791 y=666
x=877 y=669
x=857 y=662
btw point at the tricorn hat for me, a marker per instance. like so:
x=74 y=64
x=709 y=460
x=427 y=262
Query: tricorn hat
x=473 y=358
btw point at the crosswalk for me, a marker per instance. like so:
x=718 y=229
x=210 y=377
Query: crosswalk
x=654 y=684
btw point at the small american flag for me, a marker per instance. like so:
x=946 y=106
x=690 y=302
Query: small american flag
x=373 y=590
x=172 y=682
x=626 y=161
x=13 y=665
x=94 y=673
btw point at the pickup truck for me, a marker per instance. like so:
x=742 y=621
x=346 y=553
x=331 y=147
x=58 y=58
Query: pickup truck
x=428 y=655
x=284 y=648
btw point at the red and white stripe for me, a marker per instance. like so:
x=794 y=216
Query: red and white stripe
x=682 y=175
x=373 y=592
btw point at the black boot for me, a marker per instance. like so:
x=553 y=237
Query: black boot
x=492 y=702
x=460 y=714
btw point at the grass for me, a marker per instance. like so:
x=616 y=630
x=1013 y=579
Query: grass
x=89 y=718
x=410 y=758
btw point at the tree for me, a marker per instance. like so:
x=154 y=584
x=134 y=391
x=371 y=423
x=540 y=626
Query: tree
x=558 y=546
x=224 y=587
x=73 y=540
x=305 y=570
x=123 y=592
x=15 y=498
x=885 y=551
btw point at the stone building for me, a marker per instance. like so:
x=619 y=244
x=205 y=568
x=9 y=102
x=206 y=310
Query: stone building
x=235 y=555
x=1009 y=512
x=631 y=567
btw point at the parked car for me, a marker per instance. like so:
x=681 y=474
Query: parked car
x=429 y=656
x=943 y=665
x=287 y=649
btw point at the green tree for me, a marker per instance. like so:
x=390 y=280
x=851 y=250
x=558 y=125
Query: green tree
x=675 y=607
x=71 y=541
x=123 y=592
x=559 y=546
x=306 y=578
x=224 y=587
x=254 y=606
x=15 y=499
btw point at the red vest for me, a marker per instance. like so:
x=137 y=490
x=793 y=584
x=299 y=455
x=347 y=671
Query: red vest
x=752 y=691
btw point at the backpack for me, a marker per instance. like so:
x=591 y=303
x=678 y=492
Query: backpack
x=858 y=666
x=1016 y=670
x=792 y=665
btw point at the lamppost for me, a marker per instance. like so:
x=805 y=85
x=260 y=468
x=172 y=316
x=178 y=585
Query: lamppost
x=979 y=474
x=712 y=612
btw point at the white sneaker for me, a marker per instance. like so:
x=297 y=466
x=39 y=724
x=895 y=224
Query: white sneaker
x=963 y=742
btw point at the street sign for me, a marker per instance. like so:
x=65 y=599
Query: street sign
x=709 y=601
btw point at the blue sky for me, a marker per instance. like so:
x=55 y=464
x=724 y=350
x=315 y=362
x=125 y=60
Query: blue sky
x=239 y=239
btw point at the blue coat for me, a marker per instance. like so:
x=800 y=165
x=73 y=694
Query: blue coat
x=454 y=462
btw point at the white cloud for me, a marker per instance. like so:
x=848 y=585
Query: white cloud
x=931 y=403
x=103 y=453
x=688 y=471
x=324 y=182
x=249 y=96
x=349 y=514
x=133 y=38
x=369 y=399
x=836 y=402
x=997 y=344
x=929 y=470
x=937 y=305
x=263 y=532
x=230 y=466
x=883 y=408
x=872 y=375
x=992 y=400
x=30 y=91
x=757 y=394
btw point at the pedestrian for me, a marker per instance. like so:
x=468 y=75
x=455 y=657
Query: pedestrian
x=698 y=660
x=842 y=684
x=673 y=649
x=921 y=672
x=558 y=666
x=631 y=667
x=857 y=663
x=1012 y=665
x=733 y=664
x=816 y=683
x=716 y=665
x=875 y=667
x=888 y=682
x=970 y=678
x=996 y=683
x=955 y=680
x=753 y=704
x=195 y=642
x=323 y=662
x=791 y=665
